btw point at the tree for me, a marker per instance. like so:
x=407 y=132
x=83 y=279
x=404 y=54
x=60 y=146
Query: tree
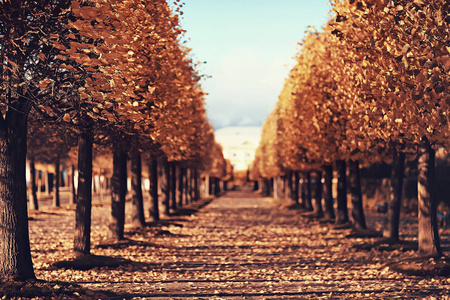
x=25 y=28
x=405 y=77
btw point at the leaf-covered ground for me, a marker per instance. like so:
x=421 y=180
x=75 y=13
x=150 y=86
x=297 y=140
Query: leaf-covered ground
x=240 y=246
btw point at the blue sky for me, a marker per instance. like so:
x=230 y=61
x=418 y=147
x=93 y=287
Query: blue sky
x=248 y=46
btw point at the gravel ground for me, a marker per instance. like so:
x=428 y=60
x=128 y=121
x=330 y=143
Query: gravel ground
x=240 y=246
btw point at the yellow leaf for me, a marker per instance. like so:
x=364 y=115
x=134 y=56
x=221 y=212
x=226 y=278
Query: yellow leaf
x=67 y=118
x=43 y=83
x=41 y=56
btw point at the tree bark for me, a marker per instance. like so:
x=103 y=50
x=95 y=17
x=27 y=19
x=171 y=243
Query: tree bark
x=276 y=192
x=165 y=188
x=217 y=189
x=56 y=183
x=289 y=186
x=296 y=185
x=318 y=194
x=196 y=185
x=173 y=173
x=137 y=210
x=429 y=242
x=391 y=229
x=73 y=194
x=328 y=193
x=82 y=239
x=187 y=185
x=33 y=199
x=118 y=195
x=356 y=196
x=154 y=201
x=308 y=196
x=266 y=187
x=342 y=209
x=180 y=193
x=15 y=254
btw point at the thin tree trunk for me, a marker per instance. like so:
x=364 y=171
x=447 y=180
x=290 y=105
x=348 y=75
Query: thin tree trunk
x=266 y=187
x=82 y=239
x=308 y=194
x=429 y=242
x=289 y=186
x=73 y=194
x=303 y=191
x=154 y=201
x=173 y=186
x=276 y=192
x=137 y=211
x=47 y=183
x=197 y=185
x=328 y=193
x=272 y=186
x=187 y=185
x=391 y=229
x=15 y=254
x=180 y=193
x=118 y=195
x=318 y=194
x=342 y=209
x=296 y=185
x=33 y=199
x=56 y=178
x=356 y=196
x=165 y=188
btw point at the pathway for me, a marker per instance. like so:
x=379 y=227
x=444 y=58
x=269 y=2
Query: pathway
x=242 y=246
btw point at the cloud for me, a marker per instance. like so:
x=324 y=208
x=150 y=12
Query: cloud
x=243 y=90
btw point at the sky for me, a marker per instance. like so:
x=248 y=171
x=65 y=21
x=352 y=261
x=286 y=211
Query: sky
x=249 y=47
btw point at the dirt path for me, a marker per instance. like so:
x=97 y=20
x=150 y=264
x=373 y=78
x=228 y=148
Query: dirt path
x=240 y=246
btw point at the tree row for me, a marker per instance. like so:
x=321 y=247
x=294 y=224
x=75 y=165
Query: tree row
x=110 y=75
x=371 y=86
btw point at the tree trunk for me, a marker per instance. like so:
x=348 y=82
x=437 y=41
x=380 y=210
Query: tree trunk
x=196 y=185
x=210 y=182
x=180 y=193
x=276 y=193
x=165 y=188
x=56 y=178
x=429 y=242
x=217 y=189
x=295 y=189
x=15 y=254
x=73 y=194
x=47 y=182
x=391 y=229
x=33 y=199
x=118 y=195
x=154 y=201
x=289 y=186
x=137 y=211
x=266 y=187
x=255 y=186
x=328 y=193
x=318 y=194
x=82 y=239
x=356 y=195
x=308 y=196
x=187 y=185
x=342 y=210
x=173 y=186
